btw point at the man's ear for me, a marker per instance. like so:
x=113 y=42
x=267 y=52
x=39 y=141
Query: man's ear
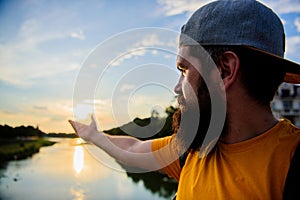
x=229 y=65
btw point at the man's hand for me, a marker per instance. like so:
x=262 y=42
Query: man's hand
x=126 y=149
x=86 y=132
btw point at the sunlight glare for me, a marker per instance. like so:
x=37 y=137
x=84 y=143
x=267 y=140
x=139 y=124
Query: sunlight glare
x=78 y=160
x=79 y=141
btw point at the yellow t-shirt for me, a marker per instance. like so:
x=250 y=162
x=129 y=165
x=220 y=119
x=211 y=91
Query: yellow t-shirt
x=252 y=169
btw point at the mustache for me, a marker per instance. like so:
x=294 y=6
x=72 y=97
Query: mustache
x=181 y=100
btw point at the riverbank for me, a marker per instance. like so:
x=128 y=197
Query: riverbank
x=15 y=149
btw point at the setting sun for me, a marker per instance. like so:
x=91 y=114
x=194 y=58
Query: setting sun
x=78 y=159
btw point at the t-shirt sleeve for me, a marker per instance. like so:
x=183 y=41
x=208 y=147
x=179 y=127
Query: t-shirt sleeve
x=166 y=155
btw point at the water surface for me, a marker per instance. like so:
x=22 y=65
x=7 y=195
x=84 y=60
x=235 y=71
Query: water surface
x=67 y=171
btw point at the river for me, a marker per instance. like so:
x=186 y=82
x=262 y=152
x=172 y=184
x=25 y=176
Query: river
x=66 y=171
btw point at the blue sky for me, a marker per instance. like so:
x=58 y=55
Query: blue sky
x=45 y=44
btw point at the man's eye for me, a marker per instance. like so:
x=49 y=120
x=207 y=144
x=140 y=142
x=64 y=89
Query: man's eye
x=182 y=70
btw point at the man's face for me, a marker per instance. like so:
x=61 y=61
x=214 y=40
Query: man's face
x=194 y=101
x=189 y=81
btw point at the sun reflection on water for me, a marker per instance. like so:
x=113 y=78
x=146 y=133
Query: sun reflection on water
x=78 y=159
x=78 y=194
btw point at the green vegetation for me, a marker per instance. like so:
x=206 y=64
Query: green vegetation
x=61 y=135
x=23 y=141
x=159 y=127
x=21 y=131
x=28 y=131
x=19 y=149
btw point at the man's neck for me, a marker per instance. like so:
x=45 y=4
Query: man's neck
x=247 y=121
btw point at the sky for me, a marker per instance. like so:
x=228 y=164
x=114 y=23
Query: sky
x=62 y=60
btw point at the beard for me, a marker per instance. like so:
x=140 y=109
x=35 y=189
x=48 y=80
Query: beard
x=191 y=130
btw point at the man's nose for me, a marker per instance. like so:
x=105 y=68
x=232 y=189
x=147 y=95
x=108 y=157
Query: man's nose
x=178 y=86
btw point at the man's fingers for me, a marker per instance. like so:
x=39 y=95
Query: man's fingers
x=76 y=125
x=73 y=125
x=93 y=123
x=93 y=119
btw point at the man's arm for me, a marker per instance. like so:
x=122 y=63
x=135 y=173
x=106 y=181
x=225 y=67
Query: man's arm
x=127 y=150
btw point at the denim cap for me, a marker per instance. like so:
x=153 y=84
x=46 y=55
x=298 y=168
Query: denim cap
x=241 y=23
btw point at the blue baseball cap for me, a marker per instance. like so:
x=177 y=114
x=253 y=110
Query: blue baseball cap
x=246 y=23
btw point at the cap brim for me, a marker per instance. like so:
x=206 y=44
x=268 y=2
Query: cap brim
x=292 y=78
x=292 y=69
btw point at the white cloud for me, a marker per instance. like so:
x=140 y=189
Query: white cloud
x=150 y=40
x=128 y=55
x=83 y=111
x=90 y=105
x=29 y=27
x=174 y=7
x=78 y=35
x=293 y=48
x=98 y=102
x=24 y=58
x=297 y=23
x=33 y=33
x=140 y=48
x=38 y=49
x=20 y=67
x=137 y=49
x=127 y=87
x=283 y=6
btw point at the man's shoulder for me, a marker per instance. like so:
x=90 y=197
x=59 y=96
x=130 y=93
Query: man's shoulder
x=287 y=128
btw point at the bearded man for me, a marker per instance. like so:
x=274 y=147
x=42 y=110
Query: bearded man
x=249 y=158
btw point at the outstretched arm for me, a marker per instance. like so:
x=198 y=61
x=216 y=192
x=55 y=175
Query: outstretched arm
x=127 y=150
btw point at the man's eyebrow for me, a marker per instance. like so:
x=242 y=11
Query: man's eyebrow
x=182 y=61
x=180 y=66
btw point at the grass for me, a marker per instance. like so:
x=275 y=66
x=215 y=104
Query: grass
x=19 y=149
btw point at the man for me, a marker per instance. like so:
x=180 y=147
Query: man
x=252 y=156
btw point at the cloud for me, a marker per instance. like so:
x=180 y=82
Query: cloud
x=40 y=107
x=138 y=48
x=78 y=35
x=29 y=27
x=83 y=111
x=156 y=41
x=293 y=48
x=175 y=7
x=44 y=115
x=283 y=6
x=8 y=112
x=24 y=60
x=151 y=40
x=98 y=102
x=39 y=47
x=128 y=55
x=127 y=87
x=33 y=33
x=297 y=23
x=22 y=69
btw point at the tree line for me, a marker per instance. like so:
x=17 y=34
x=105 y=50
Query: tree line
x=8 y=132
x=156 y=127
